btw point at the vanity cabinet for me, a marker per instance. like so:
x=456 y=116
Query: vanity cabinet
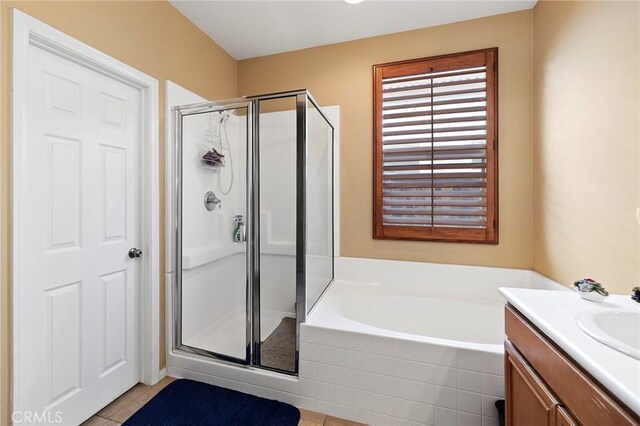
x=543 y=386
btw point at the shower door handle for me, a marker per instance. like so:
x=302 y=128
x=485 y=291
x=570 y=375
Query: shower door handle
x=134 y=252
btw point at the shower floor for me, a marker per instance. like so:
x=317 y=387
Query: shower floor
x=278 y=350
x=227 y=336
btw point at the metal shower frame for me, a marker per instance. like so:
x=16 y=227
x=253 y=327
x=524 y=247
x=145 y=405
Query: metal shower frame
x=252 y=105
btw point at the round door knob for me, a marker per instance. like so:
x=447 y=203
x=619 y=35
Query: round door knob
x=134 y=252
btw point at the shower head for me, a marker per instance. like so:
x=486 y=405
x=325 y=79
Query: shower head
x=224 y=116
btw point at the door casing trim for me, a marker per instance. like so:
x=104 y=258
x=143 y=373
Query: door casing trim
x=28 y=31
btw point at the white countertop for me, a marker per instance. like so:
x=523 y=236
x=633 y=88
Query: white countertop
x=554 y=313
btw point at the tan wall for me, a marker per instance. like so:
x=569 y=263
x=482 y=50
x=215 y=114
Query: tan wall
x=341 y=74
x=150 y=36
x=587 y=142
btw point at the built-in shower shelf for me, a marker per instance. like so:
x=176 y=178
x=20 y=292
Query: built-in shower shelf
x=278 y=248
x=192 y=258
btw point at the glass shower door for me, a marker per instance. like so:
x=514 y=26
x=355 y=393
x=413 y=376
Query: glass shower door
x=275 y=322
x=319 y=204
x=212 y=197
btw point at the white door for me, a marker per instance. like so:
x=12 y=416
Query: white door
x=78 y=302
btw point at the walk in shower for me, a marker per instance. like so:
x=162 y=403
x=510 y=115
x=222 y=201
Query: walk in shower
x=253 y=245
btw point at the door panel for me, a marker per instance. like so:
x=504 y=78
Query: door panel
x=113 y=211
x=64 y=316
x=78 y=301
x=113 y=324
x=63 y=165
x=214 y=284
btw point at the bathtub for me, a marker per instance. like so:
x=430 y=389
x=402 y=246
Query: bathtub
x=409 y=343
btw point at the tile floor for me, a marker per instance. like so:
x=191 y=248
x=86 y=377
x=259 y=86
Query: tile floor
x=131 y=401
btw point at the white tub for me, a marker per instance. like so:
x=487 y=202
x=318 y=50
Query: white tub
x=409 y=343
x=410 y=312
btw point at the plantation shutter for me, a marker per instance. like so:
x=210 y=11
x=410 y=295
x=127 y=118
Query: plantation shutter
x=435 y=148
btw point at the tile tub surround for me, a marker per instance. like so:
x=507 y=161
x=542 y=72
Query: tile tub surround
x=389 y=381
x=370 y=379
x=365 y=368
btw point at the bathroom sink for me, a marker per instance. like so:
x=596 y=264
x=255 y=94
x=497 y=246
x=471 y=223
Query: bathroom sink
x=619 y=329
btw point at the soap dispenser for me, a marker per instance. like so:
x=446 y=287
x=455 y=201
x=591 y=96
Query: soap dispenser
x=238 y=230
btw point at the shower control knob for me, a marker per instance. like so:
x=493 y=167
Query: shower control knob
x=134 y=252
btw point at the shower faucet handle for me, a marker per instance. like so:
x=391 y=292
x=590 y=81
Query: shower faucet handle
x=211 y=201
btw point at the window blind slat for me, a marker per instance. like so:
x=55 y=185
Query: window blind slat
x=435 y=95
x=435 y=167
x=428 y=201
x=435 y=130
x=388 y=124
x=432 y=85
x=425 y=75
x=437 y=220
x=472 y=154
x=436 y=149
x=433 y=103
x=435 y=139
x=427 y=210
x=425 y=183
x=434 y=113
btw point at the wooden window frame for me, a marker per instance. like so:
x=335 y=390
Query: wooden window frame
x=488 y=235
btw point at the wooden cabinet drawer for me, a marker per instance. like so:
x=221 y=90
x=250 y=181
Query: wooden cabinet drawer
x=578 y=393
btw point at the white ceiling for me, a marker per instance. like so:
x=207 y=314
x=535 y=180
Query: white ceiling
x=247 y=29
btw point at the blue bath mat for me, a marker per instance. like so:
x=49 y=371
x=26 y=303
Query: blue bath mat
x=189 y=403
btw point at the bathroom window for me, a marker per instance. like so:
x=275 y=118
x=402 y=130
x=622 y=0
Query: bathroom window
x=435 y=156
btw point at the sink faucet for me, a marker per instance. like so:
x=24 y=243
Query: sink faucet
x=635 y=294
